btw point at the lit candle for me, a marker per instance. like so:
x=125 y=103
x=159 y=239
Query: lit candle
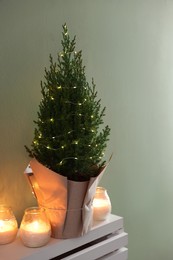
x=37 y=231
x=101 y=204
x=8 y=225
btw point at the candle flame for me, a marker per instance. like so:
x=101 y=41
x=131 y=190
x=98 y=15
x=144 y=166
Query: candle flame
x=36 y=225
x=1 y=224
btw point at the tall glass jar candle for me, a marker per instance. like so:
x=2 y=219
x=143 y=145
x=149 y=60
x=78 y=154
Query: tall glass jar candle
x=35 y=229
x=101 y=204
x=8 y=225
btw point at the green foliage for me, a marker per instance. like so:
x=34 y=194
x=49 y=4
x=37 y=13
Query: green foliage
x=67 y=137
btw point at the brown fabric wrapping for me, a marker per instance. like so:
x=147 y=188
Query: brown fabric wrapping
x=68 y=203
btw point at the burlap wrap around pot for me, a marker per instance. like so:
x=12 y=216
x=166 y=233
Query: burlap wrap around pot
x=67 y=203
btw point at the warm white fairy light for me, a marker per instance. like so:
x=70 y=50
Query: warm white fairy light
x=50 y=148
x=40 y=121
x=75 y=142
x=52 y=120
x=55 y=137
x=73 y=103
x=67 y=158
x=59 y=87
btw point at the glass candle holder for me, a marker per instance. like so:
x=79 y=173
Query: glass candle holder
x=101 y=204
x=8 y=225
x=35 y=229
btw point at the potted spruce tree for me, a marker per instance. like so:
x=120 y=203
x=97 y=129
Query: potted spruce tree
x=69 y=144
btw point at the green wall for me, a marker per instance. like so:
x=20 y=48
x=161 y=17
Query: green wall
x=128 y=49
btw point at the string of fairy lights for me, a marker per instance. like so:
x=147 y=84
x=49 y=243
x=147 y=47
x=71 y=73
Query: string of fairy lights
x=86 y=133
x=74 y=142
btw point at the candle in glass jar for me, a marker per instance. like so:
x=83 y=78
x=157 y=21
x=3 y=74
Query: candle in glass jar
x=8 y=225
x=35 y=233
x=101 y=204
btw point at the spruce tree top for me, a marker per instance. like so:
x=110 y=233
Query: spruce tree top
x=67 y=138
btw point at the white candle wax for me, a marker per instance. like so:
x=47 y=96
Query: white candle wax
x=35 y=234
x=101 y=209
x=8 y=231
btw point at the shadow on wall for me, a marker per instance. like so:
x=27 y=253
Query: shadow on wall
x=16 y=193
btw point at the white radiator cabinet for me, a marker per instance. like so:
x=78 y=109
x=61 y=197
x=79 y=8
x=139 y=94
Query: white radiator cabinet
x=105 y=241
